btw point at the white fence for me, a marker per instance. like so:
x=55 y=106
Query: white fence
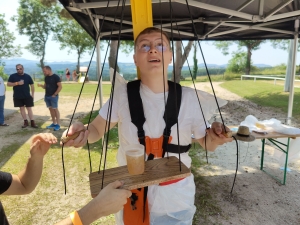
x=264 y=77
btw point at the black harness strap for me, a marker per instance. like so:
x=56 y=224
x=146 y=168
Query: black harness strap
x=136 y=108
x=170 y=116
x=171 y=112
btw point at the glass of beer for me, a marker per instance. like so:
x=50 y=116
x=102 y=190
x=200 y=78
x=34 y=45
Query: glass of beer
x=135 y=156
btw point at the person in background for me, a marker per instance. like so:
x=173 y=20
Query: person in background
x=22 y=83
x=2 y=100
x=109 y=200
x=74 y=75
x=52 y=88
x=68 y=74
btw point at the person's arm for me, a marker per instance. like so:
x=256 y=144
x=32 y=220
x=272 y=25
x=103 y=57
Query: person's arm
x=26 y=181
x=32 y=90
x=110 y=200
x=214 y=137
x=12 y=84
x=42 y=85
x=59 y=87
x=95 y=131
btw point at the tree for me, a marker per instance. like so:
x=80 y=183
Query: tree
x=7 y=48
x=113 y=55
x=125 y=46
x=238 y=62
x=37 y=21
x=181 y=58
x=251 y=45
x=2 y=74
x=284 y=45
x=71 y=35
x=195 y=68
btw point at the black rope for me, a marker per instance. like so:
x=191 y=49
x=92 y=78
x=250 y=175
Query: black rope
x=112 y=90
x=214 y=94
x=98 y=85
x=164 y=81
x=62 y=147
x=105 y=138
x=201 y=109
x=174 y=78
x=196 y=36
x=72 y=117
x=237 y=163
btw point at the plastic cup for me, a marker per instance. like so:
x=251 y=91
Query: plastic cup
x=135 y=158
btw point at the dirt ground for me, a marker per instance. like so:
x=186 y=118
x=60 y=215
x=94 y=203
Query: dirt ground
x=257 y=198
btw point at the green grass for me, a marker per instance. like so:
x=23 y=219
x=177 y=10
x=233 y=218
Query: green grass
x=77 y=164
x=88 y=89
x=73 y=89
x=204 y=198
x=51 y=186
x=265 y=93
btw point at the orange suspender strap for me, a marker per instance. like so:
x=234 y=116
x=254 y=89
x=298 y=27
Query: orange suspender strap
x=134 y=212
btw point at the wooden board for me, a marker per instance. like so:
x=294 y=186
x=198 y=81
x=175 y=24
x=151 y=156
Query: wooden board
x=156 y=171
x=274 y=135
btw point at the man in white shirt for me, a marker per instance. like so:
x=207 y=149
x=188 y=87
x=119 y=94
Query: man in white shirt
x=2 y=100
x=171 y=204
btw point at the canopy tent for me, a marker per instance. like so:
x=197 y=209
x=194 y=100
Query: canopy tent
x=196 y=19
x=213 y=19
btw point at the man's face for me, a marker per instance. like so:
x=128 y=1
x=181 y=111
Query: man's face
x=152 y=53
x=46 y=72
x=20 y=70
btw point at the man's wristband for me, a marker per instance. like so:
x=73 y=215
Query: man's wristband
x=75 y=218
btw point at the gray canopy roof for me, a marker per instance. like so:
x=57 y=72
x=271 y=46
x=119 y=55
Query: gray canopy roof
x=204 y=19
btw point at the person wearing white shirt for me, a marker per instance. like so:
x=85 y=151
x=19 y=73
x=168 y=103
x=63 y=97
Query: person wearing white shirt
x=2 y=100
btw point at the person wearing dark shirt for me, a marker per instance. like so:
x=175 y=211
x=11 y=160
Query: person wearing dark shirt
x=52 y=87
x=109 y=200
x=20 y=82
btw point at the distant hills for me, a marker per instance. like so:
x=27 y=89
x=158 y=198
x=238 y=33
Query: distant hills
x=127 y=69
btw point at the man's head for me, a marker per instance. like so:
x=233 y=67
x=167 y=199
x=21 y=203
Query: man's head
x=152 y=51
x=47 y=70
x=150 y=30
x=20 y=69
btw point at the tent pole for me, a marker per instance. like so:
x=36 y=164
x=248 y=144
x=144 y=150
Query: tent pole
x=291 y=95
x=141 y=12
x=99 y=64
x=289 y=67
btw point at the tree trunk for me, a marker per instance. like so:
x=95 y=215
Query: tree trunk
x=180 y=59
x=42 y=61
x=113 y=55
x=178 y=62
x=248 y=62
x=78 y=62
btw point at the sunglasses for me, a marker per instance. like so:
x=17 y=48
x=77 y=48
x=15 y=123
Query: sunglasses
x=19 y=69
x=159 y=45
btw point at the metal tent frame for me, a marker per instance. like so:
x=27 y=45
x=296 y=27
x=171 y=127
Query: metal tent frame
x=197 y=19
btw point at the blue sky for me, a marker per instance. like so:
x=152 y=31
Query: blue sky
x=265 y=55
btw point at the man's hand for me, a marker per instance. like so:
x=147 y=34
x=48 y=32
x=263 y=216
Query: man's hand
x=80 y=140
x=41 y=143
x=110 y=200
x=218 y=134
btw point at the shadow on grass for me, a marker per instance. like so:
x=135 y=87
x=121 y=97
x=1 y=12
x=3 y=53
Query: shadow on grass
x=7 y=152
x=204 y=199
